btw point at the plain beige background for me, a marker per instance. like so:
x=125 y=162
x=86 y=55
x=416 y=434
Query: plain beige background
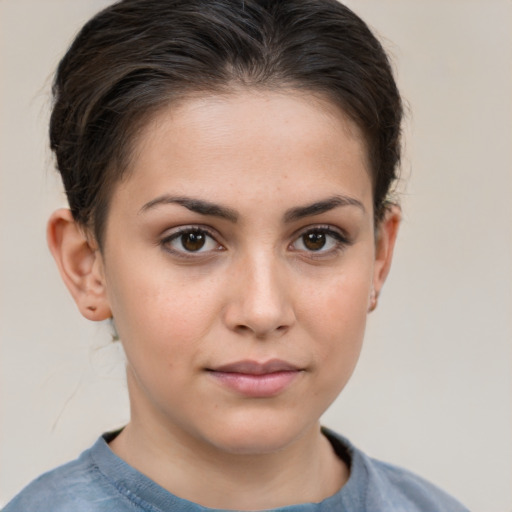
x=433 y=388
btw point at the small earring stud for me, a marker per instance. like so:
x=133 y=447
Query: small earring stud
x=373 y=301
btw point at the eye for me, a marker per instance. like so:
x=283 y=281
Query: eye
x=190 y=241
x=320 y=240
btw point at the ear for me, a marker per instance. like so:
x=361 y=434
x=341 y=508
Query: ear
x=387 y=231
x=80 y=264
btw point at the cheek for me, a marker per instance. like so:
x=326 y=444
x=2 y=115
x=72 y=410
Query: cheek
x=338 y=298
x=335 y=315
x=341 y=326
x=162 y=311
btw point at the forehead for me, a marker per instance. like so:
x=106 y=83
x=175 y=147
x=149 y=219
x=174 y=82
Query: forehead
x=247 y=141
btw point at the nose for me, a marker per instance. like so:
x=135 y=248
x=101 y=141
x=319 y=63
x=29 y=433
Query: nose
x=259 y=298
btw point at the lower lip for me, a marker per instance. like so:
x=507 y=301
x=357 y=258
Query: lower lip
x=257 y=386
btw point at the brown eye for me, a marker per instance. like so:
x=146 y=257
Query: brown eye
x=189 y=241
x=193 y=241
x=314 y=241
x=321 y=240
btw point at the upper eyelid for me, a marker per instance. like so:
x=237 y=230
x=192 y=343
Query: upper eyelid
x=179 y=230
x=322 y=227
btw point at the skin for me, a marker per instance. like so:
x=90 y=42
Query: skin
x=274 y=280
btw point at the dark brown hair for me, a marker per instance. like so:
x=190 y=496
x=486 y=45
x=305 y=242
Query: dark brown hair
x=136 y=56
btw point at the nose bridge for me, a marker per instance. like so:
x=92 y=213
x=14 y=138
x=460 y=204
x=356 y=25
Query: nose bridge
x=260 y=302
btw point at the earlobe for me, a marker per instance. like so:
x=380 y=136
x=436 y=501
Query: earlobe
x=387 y=232
x=80 y=265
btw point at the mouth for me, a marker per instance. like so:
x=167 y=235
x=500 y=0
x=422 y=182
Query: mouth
x=254 y=379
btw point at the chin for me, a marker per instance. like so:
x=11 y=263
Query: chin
x=258 y=436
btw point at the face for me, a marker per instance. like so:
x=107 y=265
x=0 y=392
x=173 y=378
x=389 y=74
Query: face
x=238 y=263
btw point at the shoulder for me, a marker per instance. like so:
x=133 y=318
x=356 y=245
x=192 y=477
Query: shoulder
x=78 y=486
x=409 y=491
x=385 y=487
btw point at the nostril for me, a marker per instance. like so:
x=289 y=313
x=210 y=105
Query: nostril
x=245 y=329
x=261 y=310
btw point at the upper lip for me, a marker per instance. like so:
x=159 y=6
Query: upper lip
x=249 y=367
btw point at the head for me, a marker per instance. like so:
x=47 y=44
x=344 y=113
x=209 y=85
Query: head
x=135 y=58
x=227 y=165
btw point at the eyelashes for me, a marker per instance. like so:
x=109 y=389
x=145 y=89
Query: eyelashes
x=193 y=242
x=320 y=240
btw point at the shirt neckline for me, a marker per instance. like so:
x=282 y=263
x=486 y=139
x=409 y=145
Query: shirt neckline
x=151 y=497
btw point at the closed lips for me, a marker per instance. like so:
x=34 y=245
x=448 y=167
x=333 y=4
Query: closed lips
x=256 y=368
x=256 y=380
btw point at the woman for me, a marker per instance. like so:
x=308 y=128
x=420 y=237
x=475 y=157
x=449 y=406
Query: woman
x=227 y=166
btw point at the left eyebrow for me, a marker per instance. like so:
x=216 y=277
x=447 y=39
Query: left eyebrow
x=321 y=207
x=195 y=205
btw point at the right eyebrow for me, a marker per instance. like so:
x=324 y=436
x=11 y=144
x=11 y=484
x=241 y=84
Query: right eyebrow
x=195 y=205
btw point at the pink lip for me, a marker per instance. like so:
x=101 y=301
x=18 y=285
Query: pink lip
x=254 y=379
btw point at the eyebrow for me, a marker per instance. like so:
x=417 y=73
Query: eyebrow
x=207 y=208
x=195 y=205
x=321 y=207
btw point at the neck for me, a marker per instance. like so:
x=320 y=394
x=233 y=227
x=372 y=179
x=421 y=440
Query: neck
x=306 y=471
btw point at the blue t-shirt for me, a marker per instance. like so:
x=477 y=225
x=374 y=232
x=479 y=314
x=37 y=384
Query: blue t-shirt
x=99 y=481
